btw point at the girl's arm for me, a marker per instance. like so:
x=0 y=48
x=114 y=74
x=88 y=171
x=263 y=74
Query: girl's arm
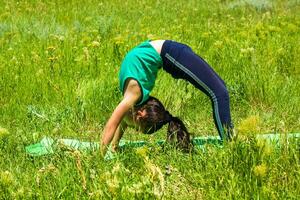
x=131 y=96
x=118 y=135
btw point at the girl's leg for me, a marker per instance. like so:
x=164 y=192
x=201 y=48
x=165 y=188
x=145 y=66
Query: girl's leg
x=189 y=66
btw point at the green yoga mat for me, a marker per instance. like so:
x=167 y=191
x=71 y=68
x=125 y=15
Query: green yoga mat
x=48 y=145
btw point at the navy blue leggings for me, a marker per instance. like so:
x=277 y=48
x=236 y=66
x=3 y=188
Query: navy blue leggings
x=182 y=63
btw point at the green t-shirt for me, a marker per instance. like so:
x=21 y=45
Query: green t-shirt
x=141 y=64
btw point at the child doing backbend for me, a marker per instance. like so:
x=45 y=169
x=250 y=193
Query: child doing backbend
x=137 y=77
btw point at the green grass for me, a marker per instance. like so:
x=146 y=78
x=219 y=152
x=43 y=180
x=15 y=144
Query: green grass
x=58 y=77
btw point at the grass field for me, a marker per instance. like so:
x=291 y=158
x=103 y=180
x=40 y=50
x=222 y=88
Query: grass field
x=58 y=77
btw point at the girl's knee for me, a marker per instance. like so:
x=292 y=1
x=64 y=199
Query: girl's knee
x=222 y=93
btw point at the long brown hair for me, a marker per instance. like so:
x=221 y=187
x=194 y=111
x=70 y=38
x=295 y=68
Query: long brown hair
x=157 y=116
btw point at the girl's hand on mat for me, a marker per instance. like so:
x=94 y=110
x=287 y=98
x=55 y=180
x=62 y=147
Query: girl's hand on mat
x=114 y=148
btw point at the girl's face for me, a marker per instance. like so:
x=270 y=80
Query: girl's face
x=133 y=119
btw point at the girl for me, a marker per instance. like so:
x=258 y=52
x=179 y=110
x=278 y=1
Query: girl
x=137 y=77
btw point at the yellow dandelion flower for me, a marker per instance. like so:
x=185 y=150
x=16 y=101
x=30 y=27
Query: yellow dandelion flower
x=52 y=58
x=119 y=39
x=265 y=147
x=281 y=51
x=218 y=44
x=152 y=37
x=274 y=28
x=267 y=15
x=142 y=151
x=6 y=178
x=4 y=133
x=86 y=39
x=206 y=34
x=105 y=176
x=249 y=125
x=247 y=50
x=268 y=149
x=292 y=28
x=260 y=170
x=51 y=48
x=61 y=38
x=95 y=44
